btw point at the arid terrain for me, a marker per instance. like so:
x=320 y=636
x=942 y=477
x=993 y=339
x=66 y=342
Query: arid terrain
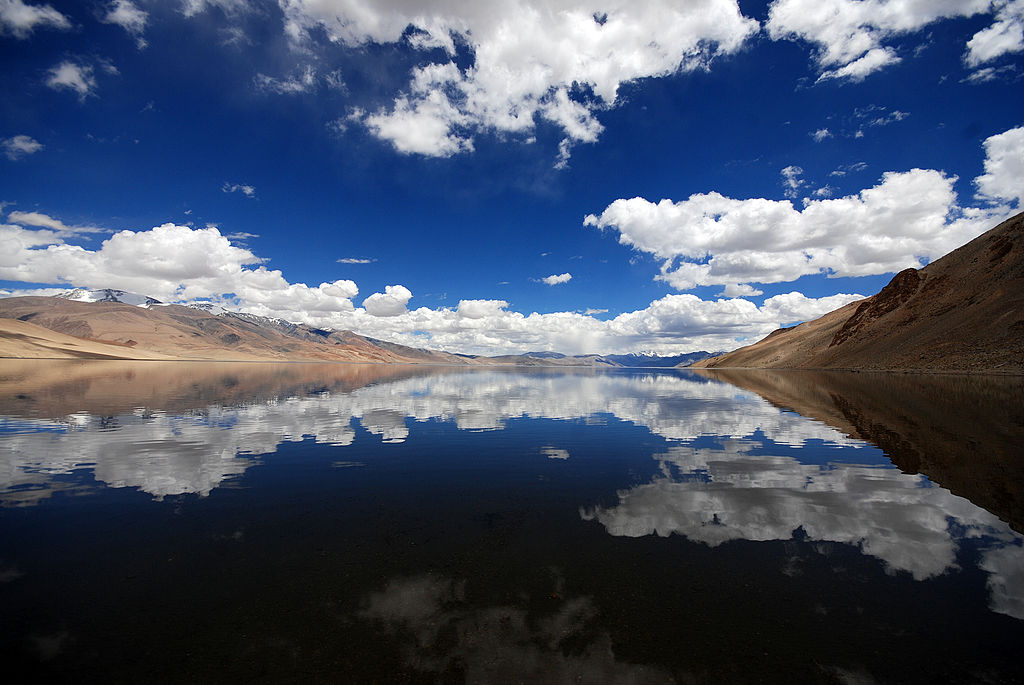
x=963 y=312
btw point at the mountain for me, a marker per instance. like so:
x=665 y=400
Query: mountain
x=656 y=361
x=108 y=295
x=963 y=312
x=62 y=327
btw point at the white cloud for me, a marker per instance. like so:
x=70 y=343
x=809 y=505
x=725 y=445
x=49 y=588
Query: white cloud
x=73 y=76
x=391 y=302
x=302 y=82
x=821 y=134
x=20 y=19
x=356 y=260
x=244 y=189
x=555 y=279
x=852 y=35
x=129 y=17
x=17 y=147
x=744 y=493
x=230 y=7
x=791 y=181
x=1005 y=35
x=1004 y=168
x=710 y=239
x=46 y=221
x=531 y=60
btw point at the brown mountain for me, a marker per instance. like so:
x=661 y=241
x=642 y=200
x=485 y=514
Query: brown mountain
x=52 y=327
x=963 y=312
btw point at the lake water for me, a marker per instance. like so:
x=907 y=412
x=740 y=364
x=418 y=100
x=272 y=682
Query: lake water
x=201 y=522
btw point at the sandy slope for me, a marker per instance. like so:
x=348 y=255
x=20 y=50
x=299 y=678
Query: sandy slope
x=963 y=312
x=176 y=332
x=27 y=341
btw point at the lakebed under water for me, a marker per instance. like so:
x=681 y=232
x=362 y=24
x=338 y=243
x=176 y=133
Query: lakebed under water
x=204 y=522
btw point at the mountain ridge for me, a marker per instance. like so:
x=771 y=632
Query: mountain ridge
x=962 y=312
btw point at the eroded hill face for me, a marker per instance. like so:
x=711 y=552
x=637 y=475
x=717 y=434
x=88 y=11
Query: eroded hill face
x=963 y=312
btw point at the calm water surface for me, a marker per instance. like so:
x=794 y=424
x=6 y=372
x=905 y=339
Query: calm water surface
x=314 y=522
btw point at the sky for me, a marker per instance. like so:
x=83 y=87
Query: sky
x=502 y=177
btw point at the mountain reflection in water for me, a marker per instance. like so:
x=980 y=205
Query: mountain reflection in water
x=396 y=523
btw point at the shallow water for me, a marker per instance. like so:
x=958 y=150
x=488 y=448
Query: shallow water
x=224 y=522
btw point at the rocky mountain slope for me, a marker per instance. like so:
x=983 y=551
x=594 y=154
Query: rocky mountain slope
x=963 y=312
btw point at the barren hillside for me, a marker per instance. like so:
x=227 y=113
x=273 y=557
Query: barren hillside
x=963 y=312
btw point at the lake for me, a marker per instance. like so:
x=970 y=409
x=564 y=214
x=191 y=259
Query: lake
x=210 y=522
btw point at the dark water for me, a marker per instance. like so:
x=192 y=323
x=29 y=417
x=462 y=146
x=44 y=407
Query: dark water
x=266 y=523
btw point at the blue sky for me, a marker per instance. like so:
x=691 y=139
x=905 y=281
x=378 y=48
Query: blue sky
x=502 y=177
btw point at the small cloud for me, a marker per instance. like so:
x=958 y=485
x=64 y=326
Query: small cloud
x=555 y=279
x=849 y=169
x=740 y=290
x=792 y=182
x=356 y=260
x=17 y=147
x=824 y=191
x=299 y=83
x=820 y=135
x=590 y=312
x=41 y=220
x=334 y=81
x=1008 y=72
x=247 y=190
x=889 y=118
x=72 y=76
x=20 y=19
x=392 y=302
x=129 y=17
x=241 y=235
x=554 y=453
x=564 y=153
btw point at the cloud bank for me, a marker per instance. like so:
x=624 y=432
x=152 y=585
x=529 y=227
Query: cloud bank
x=557 y=62
x=906 y=220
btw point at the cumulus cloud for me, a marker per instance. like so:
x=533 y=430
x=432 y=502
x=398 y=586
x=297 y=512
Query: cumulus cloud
x=1004 y=168
x=852 y=36
x=821 y=134
x=907 y=218
x=532 y=61
x=73 y=76
x=129 y=17
x=17 y=147
x=555 y=279
x=1005 y=35
x=391 y=302
x=171 y=263
x=20 y=20
x=356 y=260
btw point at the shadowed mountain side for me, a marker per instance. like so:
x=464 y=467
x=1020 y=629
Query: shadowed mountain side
x=963 y=432
x=49 y=389
x=963 y=312
x=176 y=332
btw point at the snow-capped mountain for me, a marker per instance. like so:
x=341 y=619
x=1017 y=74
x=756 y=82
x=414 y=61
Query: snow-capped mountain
x=109 y=295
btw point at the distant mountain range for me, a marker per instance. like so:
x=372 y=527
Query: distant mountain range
x=114 y=324
x=963 y=312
